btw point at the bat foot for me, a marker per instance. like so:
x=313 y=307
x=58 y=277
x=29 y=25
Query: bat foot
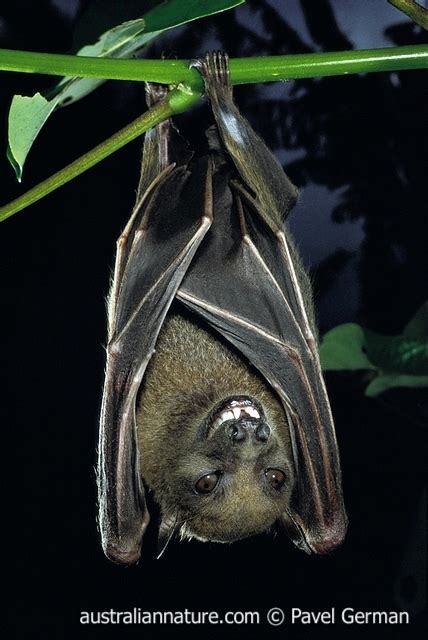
x=214 y=68
x=155 y=93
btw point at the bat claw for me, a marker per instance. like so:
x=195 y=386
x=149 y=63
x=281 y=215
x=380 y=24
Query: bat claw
x=155 y=93
x=214 y=68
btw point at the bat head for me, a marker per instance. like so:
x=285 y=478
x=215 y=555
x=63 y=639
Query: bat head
x=216 y=451
x=236 y=478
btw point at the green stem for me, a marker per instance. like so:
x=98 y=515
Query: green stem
x=412 y=9
x=243 y=70
x=190 y=88
x=175 y=102
x=317 y=65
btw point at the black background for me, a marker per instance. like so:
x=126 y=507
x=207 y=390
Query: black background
x=359 y=141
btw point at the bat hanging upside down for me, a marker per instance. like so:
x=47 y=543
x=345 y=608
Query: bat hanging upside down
x=214 y=399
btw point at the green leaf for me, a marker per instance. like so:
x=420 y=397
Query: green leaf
x=119 y=42
x=397 y=354
x=342 y=348
x=403 y=354
x=26 y=117
x=400 y=361
x=175 y=12
x=28 y=114
x=384 y=382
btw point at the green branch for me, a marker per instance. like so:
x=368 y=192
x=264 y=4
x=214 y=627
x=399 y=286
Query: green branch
x=189 y=88
x=242 y=70
x=175 y=102
x=412 y=9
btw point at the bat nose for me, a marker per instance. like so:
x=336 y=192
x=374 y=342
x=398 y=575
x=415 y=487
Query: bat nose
x=243 y=430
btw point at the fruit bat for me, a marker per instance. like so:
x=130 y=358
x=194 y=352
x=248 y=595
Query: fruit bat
x=214 y=400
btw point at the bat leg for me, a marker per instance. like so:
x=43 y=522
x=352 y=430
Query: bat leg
x=163 y=145
x=164 y=148
x=156 y=149
x=258 y=167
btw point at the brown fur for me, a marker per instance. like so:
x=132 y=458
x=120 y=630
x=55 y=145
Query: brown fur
x=190 y=373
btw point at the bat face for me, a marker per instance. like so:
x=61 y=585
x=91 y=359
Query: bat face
x=214 y=445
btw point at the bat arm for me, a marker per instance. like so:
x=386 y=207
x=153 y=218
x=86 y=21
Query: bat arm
x=302 y=317
x=123 y=516
x=309 y=336
x=306 y=335
x=122 y=246
x=194 y=301
x=256 y=165
x=326 y=528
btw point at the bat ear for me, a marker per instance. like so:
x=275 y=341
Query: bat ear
x=167 y=529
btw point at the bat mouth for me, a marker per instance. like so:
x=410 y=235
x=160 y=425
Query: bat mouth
x=233 y=409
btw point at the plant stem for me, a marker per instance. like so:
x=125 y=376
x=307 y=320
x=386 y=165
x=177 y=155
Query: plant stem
x=189 y=89
x=175 y=102
x=242 y=70
x=309 y=65
x=412 y=9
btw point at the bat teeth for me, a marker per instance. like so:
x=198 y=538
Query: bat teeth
x=235 y=413
x=235 y=409
x=252 y=412
x=226 y=415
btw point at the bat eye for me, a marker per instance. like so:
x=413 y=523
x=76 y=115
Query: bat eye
x=275 y=477
x=207 y=483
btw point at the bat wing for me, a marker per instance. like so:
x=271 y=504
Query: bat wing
x=169 y=221
x=246 y=282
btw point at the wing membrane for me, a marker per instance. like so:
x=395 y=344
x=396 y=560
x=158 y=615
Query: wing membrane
x=163 y=241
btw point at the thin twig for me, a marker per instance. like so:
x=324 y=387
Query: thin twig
x=175 y=102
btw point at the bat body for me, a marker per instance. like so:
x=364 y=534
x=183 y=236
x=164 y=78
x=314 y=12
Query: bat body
x=214 y=398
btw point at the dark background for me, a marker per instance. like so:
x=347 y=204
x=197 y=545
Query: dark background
x=355 y=146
